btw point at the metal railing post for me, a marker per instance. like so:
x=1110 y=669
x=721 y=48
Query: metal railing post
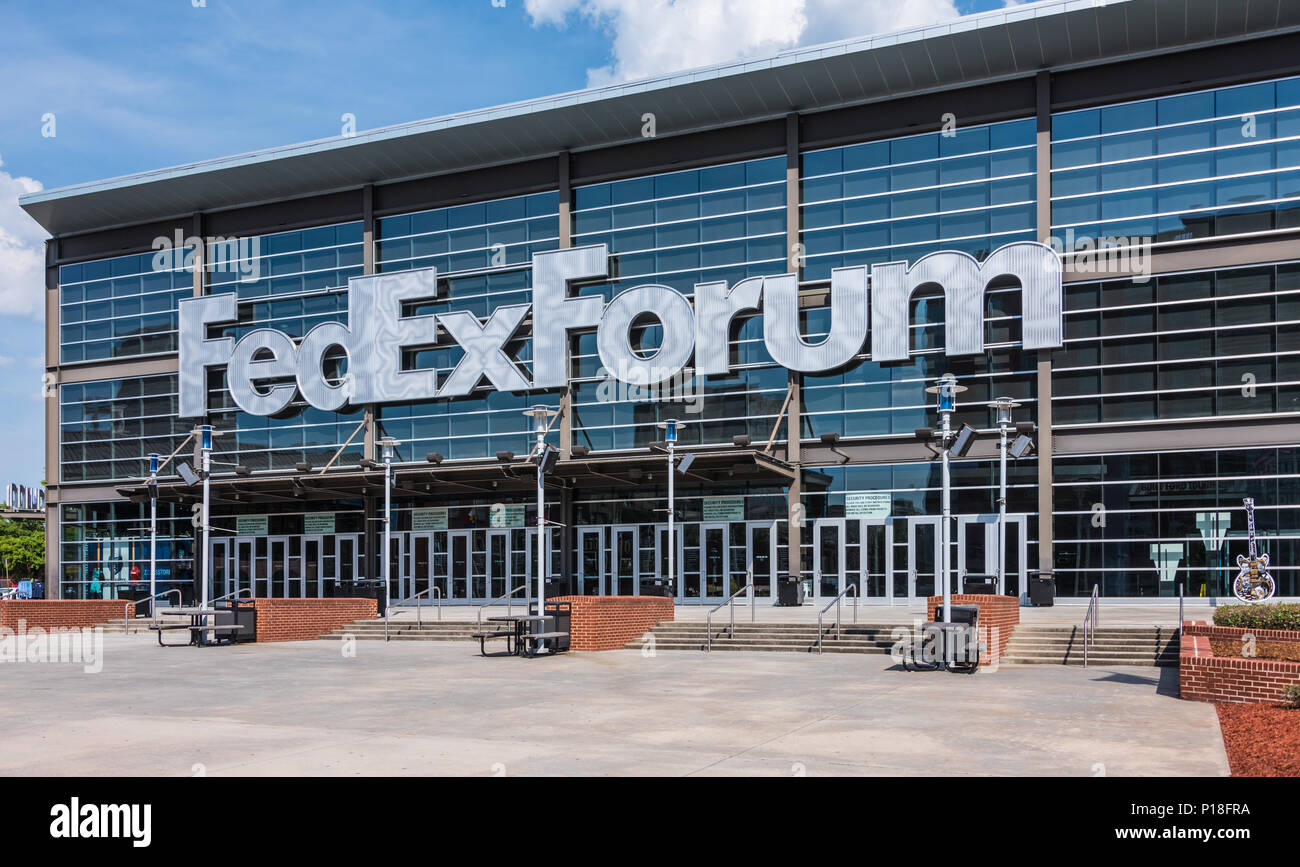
x=730 y=602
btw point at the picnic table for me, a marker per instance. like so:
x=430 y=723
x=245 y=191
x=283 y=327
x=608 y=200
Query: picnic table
x=519 y=623
x=196 y=626
x=525 y=643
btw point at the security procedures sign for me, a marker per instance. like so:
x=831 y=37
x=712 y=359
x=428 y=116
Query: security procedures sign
x=318 y=523
x=868 y=504
x=266 y=368
x=251 y=525
x=429 y=519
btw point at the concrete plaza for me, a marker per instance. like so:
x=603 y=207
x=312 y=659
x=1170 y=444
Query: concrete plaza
x=424 y=708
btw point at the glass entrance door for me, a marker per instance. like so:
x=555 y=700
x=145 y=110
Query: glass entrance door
x=591 y=572
x=550 y=565
x=877 y=560
x=670 y=584
x=277 y=565
x=421 y=545
x=498 y=562
x=398 y=585
x=714 y=560
x=222 y=575
x=623 y=581
x=243 y=565
x=977 y=549
x=458 y=568
x=762 y=558
x=828 y=558
x=854 y=552
x=478 y=566
x=916 y=557
x=310 y=585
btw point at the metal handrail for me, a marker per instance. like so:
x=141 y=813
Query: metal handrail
x=126 y=612
x=730 y=601
x=247 y=590
x=836 y=602
x=1090 y=621
x=1181 y=591
x=419 y=620
x=507 y=598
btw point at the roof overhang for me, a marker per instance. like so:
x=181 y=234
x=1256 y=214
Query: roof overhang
x=617 y=472
x=1007 y=43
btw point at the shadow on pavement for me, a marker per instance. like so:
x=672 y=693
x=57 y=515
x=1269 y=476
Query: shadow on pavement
x=1166 y=682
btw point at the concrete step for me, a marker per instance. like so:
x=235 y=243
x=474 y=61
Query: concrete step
x=1094 y=653
x=757 y=647
x=1097 y=642
x=1053 y=660
x=1115 y=645
x=770 y=640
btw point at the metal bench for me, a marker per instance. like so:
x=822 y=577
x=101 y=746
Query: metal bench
x=532 y=640
x=484 y=637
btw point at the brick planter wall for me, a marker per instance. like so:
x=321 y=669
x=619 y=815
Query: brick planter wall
x=53 y=613
x=305 y=619
x=1202 y=676
x=609 y=622
x=1279 y=644
x=999 y=616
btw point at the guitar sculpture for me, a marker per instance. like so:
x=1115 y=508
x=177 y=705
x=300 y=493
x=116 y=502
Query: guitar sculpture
x=1253 y=583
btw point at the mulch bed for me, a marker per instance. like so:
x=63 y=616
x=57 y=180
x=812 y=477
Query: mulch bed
x=1262 y=740
x=1287 y=651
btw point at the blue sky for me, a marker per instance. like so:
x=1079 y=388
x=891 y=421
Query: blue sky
x=141 y=85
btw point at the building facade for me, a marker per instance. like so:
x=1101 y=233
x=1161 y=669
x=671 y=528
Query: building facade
x=1160 y=161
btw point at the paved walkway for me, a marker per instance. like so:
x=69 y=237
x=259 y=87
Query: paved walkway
x=438 y=708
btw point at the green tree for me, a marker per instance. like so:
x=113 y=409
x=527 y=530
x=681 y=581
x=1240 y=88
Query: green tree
x=22 y=547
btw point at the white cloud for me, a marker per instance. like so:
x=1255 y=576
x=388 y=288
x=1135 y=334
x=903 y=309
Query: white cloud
x=654 y=37
x=22 y=253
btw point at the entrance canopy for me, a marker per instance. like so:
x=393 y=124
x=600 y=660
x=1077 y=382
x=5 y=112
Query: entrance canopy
x=516 y=476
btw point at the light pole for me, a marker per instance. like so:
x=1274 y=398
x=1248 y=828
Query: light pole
x=947 y=389
x=541 y=415
x=670 y=438
x=153 y=529
x=205 y=452
x=388 y=447
x=1003 y=405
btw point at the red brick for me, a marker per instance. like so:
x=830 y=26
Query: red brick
x=999 y=616
x=305 y=619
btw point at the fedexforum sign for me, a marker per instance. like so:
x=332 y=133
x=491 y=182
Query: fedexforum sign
x=265 y=368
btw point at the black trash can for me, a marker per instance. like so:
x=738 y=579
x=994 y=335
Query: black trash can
x=984 y=584
x=243 y=613
x=789 y=590
x=656 y=587
x=561 y=617
x=1042 y=588
x=364 y=588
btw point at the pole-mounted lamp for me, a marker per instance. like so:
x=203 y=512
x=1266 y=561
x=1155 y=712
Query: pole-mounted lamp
x=388 y=450
x=946 y=390
x=1003 y=407
x=541 y=415
x=670 y=428
x=153 y=529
